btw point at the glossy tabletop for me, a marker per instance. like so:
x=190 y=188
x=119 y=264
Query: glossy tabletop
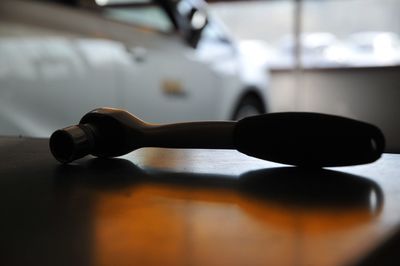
x=189 y=207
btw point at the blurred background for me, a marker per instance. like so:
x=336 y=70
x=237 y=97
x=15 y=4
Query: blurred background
x=179 y=60
x=331 y=32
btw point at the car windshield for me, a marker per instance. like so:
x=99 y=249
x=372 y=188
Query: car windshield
x=143 y=13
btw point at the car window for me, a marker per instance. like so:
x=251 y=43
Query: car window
x=142 y=13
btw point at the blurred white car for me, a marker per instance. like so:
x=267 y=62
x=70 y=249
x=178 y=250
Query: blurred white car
x=313 y=47
x=366 y=49
x=164 y=61
x=373 y=49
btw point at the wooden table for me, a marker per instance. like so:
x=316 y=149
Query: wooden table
x=189 y=207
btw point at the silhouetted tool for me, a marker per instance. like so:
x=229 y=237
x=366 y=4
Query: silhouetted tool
x=295 y=138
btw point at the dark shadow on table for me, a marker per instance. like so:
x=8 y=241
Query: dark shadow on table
x=290 y=186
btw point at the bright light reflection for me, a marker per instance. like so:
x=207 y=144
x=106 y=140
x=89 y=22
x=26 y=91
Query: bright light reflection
x=383 y=46
x=337 y=53
x=199 y=20
x=102 y=2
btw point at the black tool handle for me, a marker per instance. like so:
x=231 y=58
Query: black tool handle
x=309 y=139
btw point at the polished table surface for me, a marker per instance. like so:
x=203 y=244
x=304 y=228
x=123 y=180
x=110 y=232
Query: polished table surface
x=189 y=207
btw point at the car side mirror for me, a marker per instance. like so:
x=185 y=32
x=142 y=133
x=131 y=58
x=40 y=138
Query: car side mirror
x=198 y=21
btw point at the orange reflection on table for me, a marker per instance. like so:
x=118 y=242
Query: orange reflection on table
x=168 y=224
